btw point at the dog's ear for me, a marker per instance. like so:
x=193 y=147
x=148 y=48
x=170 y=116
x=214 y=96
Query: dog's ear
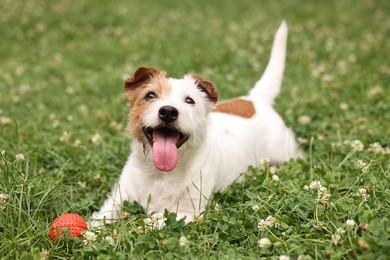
x=140 y=77
x=207 y=87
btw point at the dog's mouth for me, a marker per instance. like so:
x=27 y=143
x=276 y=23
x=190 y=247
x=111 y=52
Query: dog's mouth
x=165 y=142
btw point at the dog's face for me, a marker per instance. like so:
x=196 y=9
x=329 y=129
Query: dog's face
x=168 y=115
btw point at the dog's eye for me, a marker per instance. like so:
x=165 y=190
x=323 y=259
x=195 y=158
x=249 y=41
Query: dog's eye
x=189 y=100
x=150 y=95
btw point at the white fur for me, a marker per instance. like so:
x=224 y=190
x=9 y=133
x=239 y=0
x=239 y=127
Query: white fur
x=220 y=148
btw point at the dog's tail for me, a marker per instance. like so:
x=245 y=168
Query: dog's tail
x=268 y=86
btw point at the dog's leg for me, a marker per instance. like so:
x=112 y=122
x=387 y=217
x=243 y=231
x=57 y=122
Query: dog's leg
x=193 y=201
x=110 y=211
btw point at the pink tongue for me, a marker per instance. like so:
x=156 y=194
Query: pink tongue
x=165 y=154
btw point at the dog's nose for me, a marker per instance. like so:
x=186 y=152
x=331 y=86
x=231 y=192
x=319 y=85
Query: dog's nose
x=168 y=114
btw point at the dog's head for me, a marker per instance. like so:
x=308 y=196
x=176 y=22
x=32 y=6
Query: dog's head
x=168 y=115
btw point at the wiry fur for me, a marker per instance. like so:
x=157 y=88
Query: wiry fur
x=220 y=147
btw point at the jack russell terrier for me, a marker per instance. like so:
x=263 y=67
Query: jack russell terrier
x=186 y=145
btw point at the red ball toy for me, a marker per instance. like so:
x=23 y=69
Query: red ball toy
x=75 y=222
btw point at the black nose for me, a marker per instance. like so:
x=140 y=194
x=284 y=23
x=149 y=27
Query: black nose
x=168 y=114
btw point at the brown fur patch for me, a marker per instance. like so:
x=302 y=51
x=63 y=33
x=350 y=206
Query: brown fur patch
x=238 y=107
x=156 y=83
x=207 y=87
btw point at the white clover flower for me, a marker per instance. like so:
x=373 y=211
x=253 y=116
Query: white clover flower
x=83 y=109
x=255 y=207
x=3 y=197
x=115 y=125
x=304 y=120
x=65 y=137
x=268 y=222
x=41 y=106
x=217 y=207
x=350 y=223
x=264 y=161
x=125 y=215
x=323 y=190
x=20 y=157
x=352 y=58
x=148 y=221
x=324 y=199
x=315 y=185
x=362 y=192
x=372 y=92
x=336 y=238
x=52 y=116
x=361 y=165
x=306 y=187
x=77 y=143
x=386 y=150
x=56 y=123
x=318 y=70
x=90 y=237
x=343 y=106
x=183 y=241
x=5 y=120
x=70 y=90
x=271 y=221
x=273 y=169
x=110 y=240
x=198 y=218
x=327 y=77
x=262 y=225
x=16 y=99
x=335 y=145
x=375 y=148
x=275 y=178
x=378 y=149
x=357 y=145
x=284 y=257
x=155 y=221
x=302 y=140
x=323 y=196
x=264 y=243
x=96 y=138
x=340 y=231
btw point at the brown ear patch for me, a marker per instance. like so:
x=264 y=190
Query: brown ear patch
x=141 y=76
x=207 y=87
x=143 y=79
x=238 y=107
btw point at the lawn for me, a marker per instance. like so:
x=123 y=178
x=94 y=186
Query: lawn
x=63 y=114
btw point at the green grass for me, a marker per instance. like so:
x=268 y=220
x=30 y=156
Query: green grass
x=62 y=66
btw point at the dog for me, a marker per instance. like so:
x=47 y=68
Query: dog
x=186 y=145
